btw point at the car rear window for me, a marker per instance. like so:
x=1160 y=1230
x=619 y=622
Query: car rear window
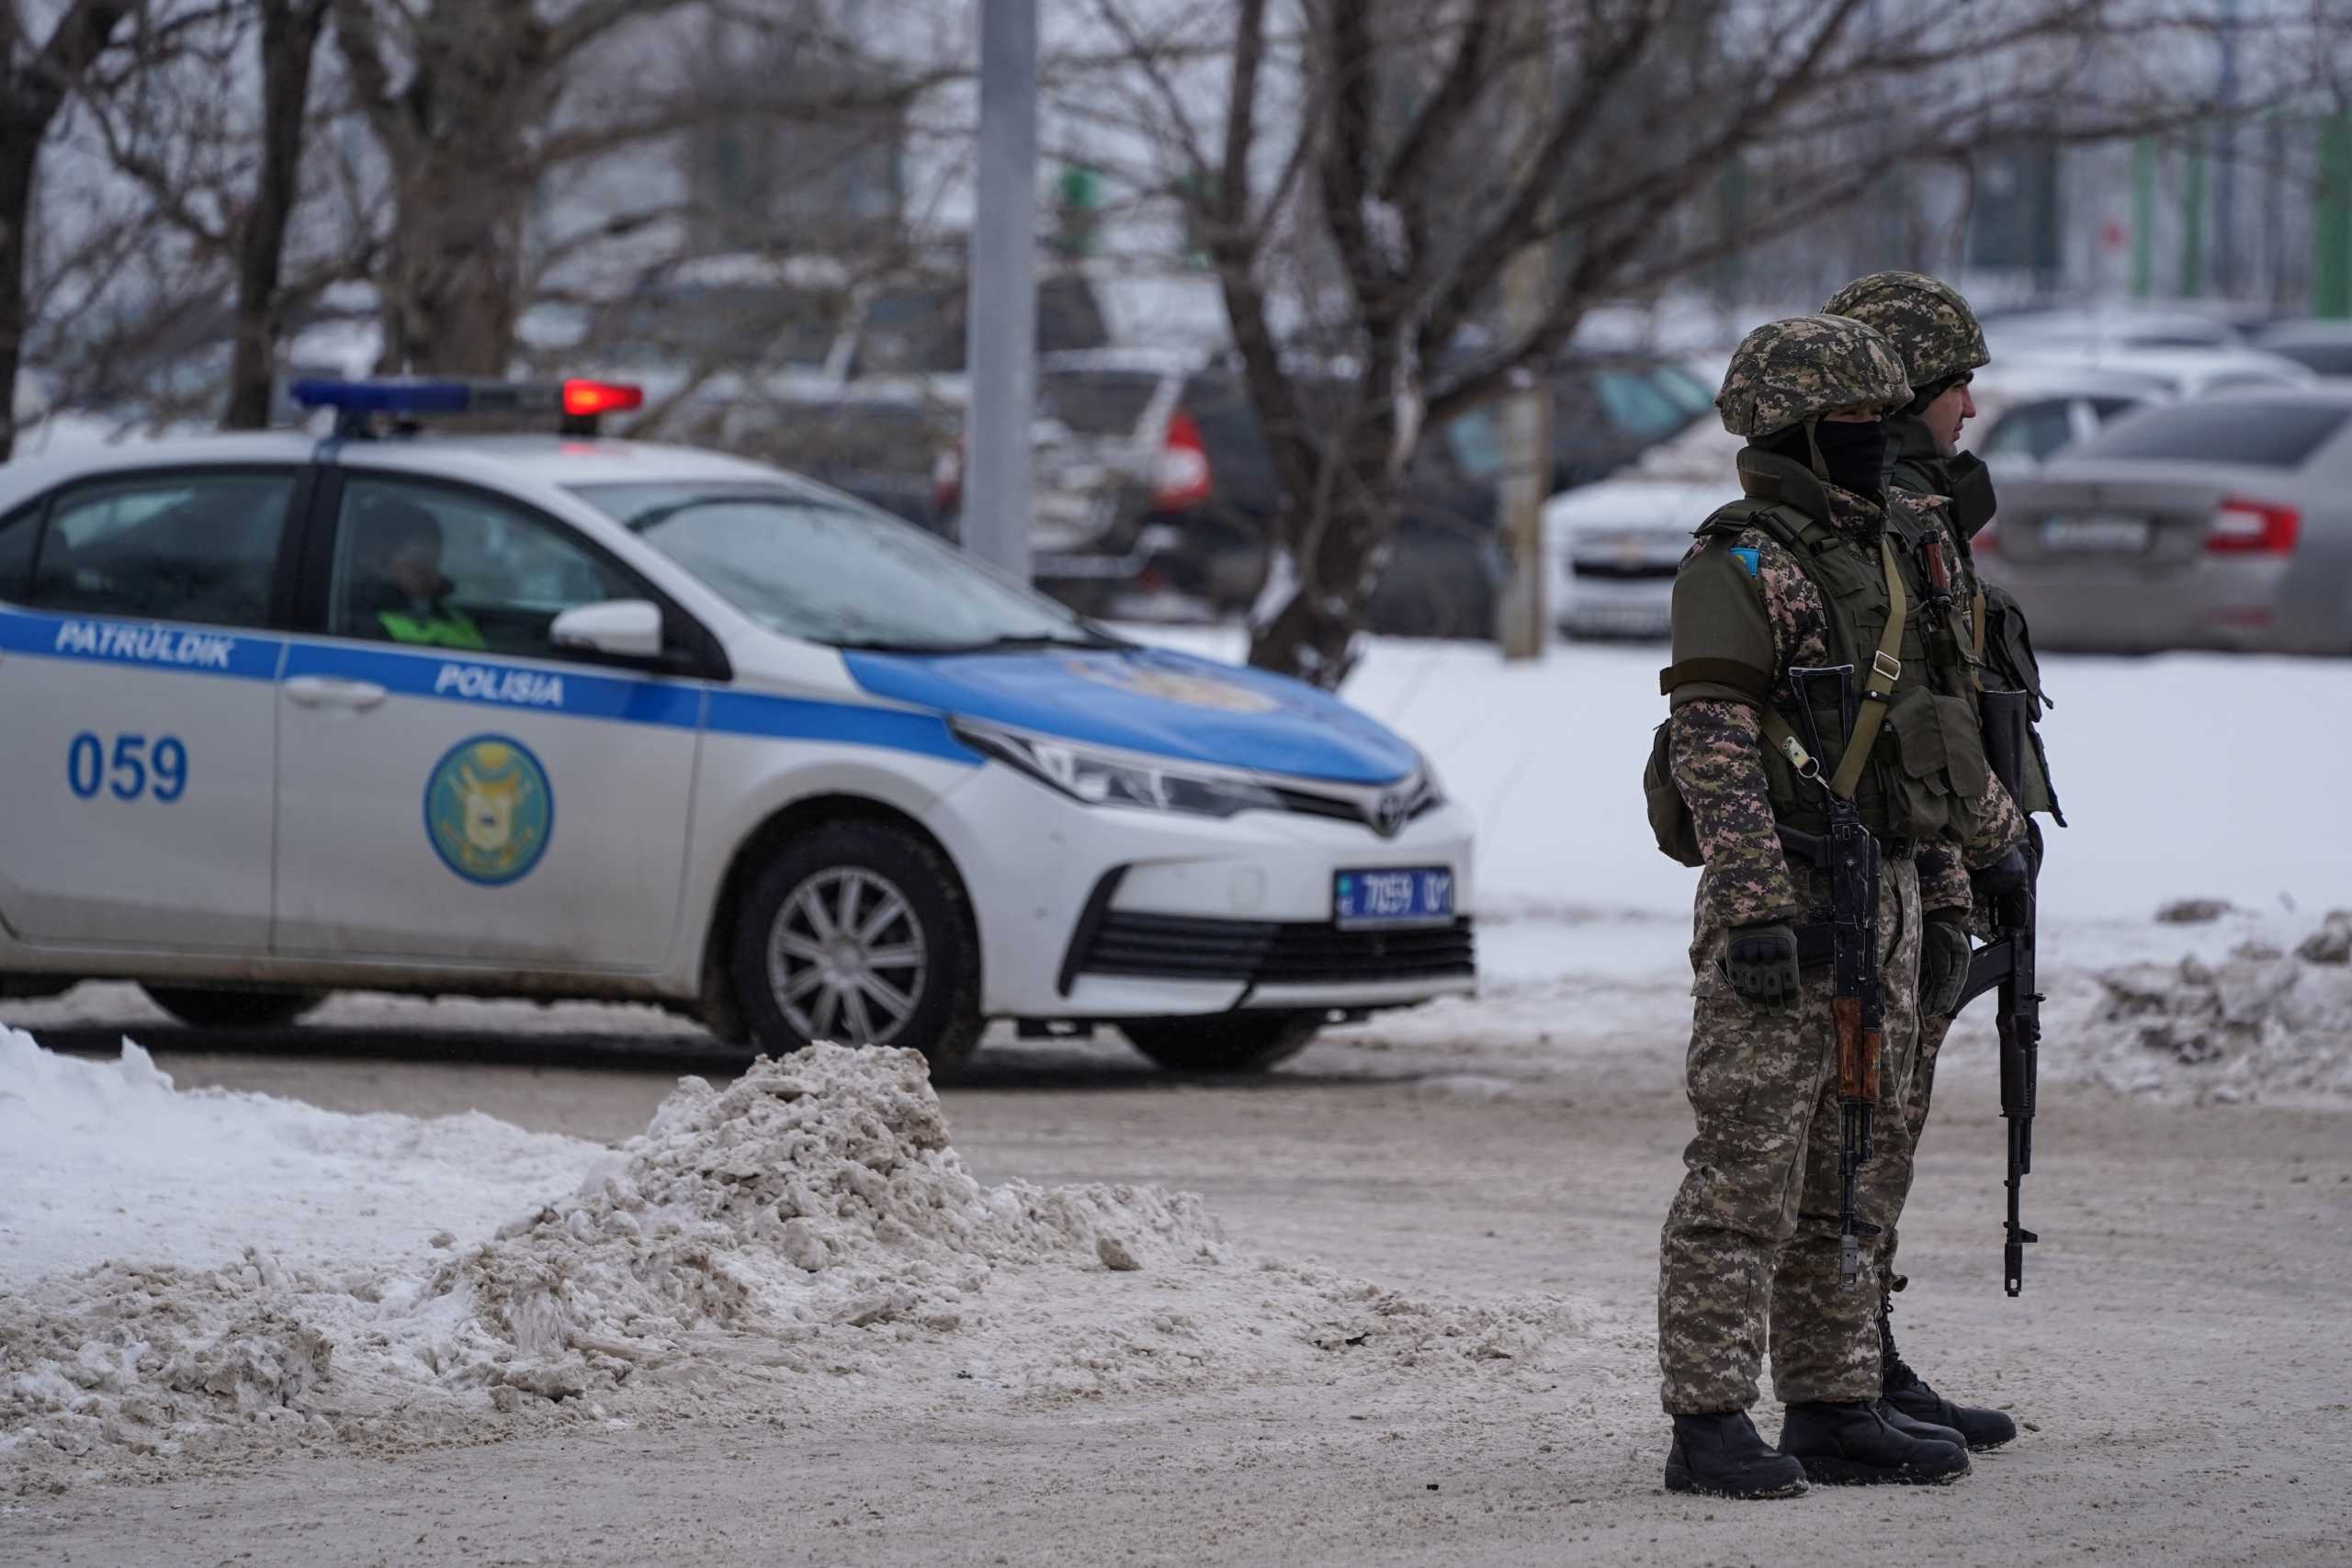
x=1097 y=403
x=2269 y=433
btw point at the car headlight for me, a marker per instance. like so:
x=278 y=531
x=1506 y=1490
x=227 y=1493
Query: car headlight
x=1097 y=776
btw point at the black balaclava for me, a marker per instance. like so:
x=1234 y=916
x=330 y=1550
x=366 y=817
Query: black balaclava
x=1854 y=453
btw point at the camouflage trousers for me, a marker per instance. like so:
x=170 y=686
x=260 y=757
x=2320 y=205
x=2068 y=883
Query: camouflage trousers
x=1898 y=1147
x=1749 y=1256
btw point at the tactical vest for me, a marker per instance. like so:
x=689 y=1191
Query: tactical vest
x=1925 y=769
x=2001 y=644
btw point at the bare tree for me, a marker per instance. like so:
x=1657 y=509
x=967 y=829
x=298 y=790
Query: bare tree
x=40 y=75
x=469 y=101
x=288 y=41
x=210 y=127
x=1363 y=156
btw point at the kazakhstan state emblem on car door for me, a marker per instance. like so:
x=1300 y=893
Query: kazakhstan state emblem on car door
x=488 y=811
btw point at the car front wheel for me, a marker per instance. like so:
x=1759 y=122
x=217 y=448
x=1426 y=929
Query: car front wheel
x=1224 y=1043
x=859 y=933
x=201 y=1008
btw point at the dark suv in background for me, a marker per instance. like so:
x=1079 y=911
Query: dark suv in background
x=1153 y=477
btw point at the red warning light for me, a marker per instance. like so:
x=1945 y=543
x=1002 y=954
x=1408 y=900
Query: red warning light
x=585 y=400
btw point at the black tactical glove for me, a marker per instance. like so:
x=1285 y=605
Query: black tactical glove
x=1943 y=961
x=1761 y=962
x=2003 y=875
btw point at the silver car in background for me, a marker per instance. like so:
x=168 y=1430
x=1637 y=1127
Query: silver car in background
x=2223 y=521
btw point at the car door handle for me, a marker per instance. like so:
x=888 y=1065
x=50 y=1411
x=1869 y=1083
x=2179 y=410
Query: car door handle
x=319 y=691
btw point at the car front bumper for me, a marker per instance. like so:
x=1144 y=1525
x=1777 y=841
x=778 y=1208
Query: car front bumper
x=1094 y=912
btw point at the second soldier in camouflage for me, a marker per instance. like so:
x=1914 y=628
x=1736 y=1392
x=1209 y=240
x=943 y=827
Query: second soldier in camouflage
x=1942 y=346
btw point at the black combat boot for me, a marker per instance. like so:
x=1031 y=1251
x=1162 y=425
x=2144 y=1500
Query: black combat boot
x=1908 y=1392
x=1925 y=1431
x=1723 y=1456
x=1850 y=1444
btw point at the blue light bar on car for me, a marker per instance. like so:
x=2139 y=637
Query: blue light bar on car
x=385 y=397
x=574 y=399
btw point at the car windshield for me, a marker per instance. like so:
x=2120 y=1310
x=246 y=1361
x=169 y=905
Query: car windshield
x=1691 y=394
x=831 y=572
x=1638 y=405
x=2269 y=433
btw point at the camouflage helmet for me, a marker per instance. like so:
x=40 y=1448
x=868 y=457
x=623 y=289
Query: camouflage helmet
x=1786 y=372
x=1929 y=323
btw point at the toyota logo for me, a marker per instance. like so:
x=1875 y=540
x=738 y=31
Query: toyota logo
x=1388 y=817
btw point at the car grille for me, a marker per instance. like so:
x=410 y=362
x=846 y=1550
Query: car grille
x=1266 y=952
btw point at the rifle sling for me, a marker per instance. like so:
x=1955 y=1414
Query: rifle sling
x=1977 y=640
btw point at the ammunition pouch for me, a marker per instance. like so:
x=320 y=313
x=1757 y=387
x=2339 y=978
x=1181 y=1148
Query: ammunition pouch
x=2010 y=665
x=1670 y=821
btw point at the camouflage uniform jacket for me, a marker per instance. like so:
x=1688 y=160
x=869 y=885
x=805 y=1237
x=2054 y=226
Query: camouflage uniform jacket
x=1717 y=759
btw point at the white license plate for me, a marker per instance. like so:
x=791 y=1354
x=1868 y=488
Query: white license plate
x=2094 y=531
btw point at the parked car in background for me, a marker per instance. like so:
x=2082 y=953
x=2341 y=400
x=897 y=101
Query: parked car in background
x=803 y=329
x=2174 y=372
x=1153 y=479
x=880 y=450
x=2026 y=413
x=2323 y=347
x=1608 y=411
x=2152 y=323
x=1613 y=547
x=2224 y=521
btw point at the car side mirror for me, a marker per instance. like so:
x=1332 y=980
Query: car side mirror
x=631 y=628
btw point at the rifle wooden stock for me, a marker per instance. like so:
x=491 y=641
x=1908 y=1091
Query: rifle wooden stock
x=1859 y=1049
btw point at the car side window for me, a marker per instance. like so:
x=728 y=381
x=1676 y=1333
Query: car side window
x=2031 y=430
x=186 y=547
x=442 y=567
x=19 y=531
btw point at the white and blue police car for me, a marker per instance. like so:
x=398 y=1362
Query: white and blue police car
x=554 y=715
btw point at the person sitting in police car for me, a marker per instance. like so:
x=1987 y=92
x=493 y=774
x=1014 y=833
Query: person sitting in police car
x=400 y=588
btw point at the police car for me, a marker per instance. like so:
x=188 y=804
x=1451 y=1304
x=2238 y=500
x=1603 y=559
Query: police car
x=553 y=716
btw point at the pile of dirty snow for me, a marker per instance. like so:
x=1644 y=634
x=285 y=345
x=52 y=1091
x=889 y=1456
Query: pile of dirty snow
x=802 y=1238
x=2264 y=1024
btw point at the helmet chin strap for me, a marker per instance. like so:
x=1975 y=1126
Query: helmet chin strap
x=1813 y=447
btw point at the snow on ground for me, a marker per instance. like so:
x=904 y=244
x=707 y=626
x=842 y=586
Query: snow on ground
x=804 y=1237
x=99 y=1161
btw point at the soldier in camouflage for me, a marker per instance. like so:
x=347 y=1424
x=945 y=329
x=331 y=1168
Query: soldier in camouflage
x=1750 y=1243
x=1942 y=346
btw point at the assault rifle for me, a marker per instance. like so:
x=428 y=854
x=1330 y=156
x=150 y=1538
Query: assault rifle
x=2006 y=965
x=1857 y=1009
